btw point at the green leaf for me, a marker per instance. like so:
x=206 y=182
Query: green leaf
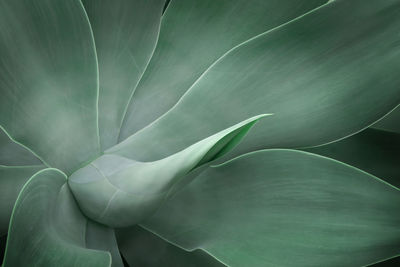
x=374 y=151
x=125 y=32
x=117 y=191
x=193 y=35
x=143 y=248
x=12 y=179
x=391 y=122
x=314 y=73
x=47 y=228
x=13 y=154
x=48 y=80
x=101 y=237
x=284 y=208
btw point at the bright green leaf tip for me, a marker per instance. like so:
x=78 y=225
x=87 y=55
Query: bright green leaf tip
x=118 y=191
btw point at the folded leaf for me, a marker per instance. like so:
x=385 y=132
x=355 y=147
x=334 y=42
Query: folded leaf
x=12 y=179
x=117 y=191
x=125 y=33
x=391 y=122
x=48 y=80
x=284 y=208
x=13 y=154
x=314 y=73
x=374 y=151
x=47 y=228
x=143 y=248
x=193 y=35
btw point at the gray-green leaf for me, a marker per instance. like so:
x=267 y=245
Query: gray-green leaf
x=284 y=208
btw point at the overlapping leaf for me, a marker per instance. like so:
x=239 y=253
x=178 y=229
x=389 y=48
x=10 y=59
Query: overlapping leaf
x=193 y=35
x=47 y=228
x=374 y=151
x=48 y=80
x=125 y=32
x=284 y=208
x=314 y=73
x=120 y=192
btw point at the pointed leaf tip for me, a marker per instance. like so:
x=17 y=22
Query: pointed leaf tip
x=118 y=191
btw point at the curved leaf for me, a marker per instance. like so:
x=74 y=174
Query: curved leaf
x=143 y=248
x=193 y=35
x=284 y=208
x=374 y=151
x=46 y=212
x=101 y=237
x=317 y=74
x=391 y=122
x=48 y=80
x=119 y=192
x=12 y=179
x=13 y=154
x=125 y=32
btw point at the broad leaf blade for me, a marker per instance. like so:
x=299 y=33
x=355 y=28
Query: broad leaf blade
x=12 y=179
x=284 y=208
x=374 y=151
x=47 y=228
x=125 y=33
x=391 y=122
x=322 y=75
x=48 y=80
x=143 y=248
x=193 y=35
x=13 y=154
x=119 y=192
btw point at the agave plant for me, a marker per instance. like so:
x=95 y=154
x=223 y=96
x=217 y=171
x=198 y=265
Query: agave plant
x=199 y=133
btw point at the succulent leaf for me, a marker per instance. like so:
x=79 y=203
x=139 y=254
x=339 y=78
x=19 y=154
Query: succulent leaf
x=193 y=35
x=12 y=179
x=322 y=75
x=47 y=228
x=391 y=122
x=284 y=208
x=374 y=151
x=13 y=154
x=119 y=192
x=125 y=33
x=48 y=80
x=143 y=248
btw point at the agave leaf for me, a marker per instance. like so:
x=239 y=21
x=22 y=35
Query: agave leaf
x=374 y=151
x=45 y=211
x=103 y=238
x=13 y=154
x=314 y=73
x=143 y=248
x=125 y=33
x=193 y=35
x=12 y=179
x=284 y=208
x=119 y=192
x=391 y=122
x=48 y=80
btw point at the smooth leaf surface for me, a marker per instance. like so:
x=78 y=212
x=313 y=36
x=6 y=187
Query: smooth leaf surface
x=284 y=208
x=314 y=74
x=125 y=32
x=47 y=228
x=100 y=237
x=12 y=179
x=193 y=35
x=390 y=122
x=119 y=192
x=13 y=154
x=48 y=80
x=143 y=248
x=374 y=151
